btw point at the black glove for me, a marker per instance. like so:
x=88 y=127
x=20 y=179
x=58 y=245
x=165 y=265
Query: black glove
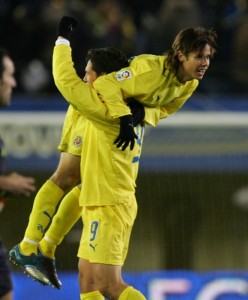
x=137 y=110
x=126 y=134
x=66 y=26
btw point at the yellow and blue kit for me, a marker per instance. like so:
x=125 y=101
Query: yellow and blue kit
x=108 y=174
x=109 y=170
x=72 y=132
x=148 y=80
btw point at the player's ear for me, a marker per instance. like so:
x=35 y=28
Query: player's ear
x=181 y=57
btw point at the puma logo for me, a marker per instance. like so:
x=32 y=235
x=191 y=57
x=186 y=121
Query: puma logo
x=93 y=247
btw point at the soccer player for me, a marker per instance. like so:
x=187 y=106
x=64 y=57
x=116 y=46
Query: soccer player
x=67 y=175
x=13 y=183
x=165 y=82
x=107 y=196
x=107 y=210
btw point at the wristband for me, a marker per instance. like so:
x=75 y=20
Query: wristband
x=62 y=41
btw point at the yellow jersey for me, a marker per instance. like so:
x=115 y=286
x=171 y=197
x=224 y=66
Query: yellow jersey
x=149 y=81
x=108 y=174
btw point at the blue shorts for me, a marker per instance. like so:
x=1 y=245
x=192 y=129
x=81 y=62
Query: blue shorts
x=5 y=276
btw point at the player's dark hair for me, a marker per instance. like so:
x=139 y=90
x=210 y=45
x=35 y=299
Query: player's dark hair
x=106 y=60
x=190 y=40
x=3 y=53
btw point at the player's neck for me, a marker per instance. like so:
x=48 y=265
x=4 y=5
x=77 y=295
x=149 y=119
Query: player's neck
x=180 y=77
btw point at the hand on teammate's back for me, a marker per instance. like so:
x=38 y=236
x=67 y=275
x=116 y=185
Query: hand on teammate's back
x=126 y=134
x=137 y=110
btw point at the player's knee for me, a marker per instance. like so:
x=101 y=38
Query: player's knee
x=89 y=283
x=65 y=181
x=108 y=287
x=110 y=290
x=85 y=279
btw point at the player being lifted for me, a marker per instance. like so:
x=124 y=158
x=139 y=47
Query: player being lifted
x=165 y=82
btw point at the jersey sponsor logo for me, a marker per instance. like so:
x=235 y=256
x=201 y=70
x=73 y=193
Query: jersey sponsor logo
x=77 y=141
x=123 y=75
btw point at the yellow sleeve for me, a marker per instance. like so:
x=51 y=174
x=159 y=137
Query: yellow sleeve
x=74 y=90
x=177 y=103
x=154 y=114
x=112 y=95
x=134 y=81
x=80 y=95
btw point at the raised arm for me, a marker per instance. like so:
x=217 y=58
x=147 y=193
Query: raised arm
x=83 y=97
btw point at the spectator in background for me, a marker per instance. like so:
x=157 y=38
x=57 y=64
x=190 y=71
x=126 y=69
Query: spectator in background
x=106 y=23
x=228 y=18
x=239 y=56
x=13 y=183
x=224 y=16
x=134 y=27
x=170 y=19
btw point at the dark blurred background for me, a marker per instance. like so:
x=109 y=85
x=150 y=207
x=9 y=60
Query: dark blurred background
x=28 y=30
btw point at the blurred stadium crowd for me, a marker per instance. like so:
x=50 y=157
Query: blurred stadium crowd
x=28 y=31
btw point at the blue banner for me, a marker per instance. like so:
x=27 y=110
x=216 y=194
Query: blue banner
x=184 y=142
x=155 y=285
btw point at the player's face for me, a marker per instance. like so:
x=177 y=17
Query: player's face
x=194 y=65
x=7 y=82
x=90 y=75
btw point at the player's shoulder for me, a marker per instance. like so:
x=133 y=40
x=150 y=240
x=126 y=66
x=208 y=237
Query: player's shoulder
x=148 y=61
x=146 y=57
x=194 y=82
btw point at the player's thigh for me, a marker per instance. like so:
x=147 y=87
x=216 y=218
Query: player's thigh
x=96 y=276
x=69 y=163
x=68 y=170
